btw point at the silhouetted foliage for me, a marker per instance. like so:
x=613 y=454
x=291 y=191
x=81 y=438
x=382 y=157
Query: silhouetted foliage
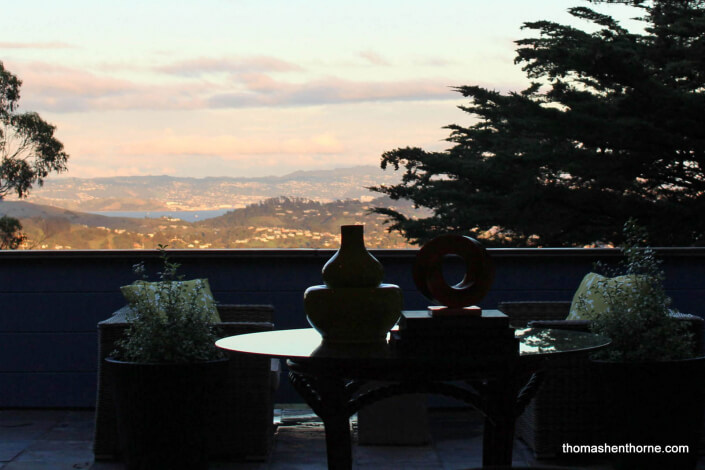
x=28 y=149
x=612 y=127
x=11 y=236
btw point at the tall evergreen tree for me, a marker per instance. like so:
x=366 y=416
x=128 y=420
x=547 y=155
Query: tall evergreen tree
x=612 y=127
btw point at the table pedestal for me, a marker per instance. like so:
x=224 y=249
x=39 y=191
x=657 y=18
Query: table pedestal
x=501 y=397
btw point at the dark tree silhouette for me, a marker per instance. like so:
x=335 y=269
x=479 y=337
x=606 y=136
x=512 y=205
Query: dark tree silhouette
x=612 y=127
x=28 y=151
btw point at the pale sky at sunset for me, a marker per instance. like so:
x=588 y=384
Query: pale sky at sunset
x=253 y=88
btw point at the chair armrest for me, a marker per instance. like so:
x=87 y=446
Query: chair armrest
x=577 y=325
x=118 y=317
x=246 y=313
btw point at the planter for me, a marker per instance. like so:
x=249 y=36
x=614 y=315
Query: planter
x=653 y=404
x=162 y=411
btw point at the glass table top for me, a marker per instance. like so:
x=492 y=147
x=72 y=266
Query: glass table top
x=306 y=343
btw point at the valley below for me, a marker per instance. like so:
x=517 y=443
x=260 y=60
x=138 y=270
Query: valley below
x=301 y=210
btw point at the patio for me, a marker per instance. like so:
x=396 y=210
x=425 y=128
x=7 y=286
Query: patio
x=53 y=301
x=62 y=440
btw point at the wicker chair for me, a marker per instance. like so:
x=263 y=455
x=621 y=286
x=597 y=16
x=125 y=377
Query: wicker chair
x=242 y=416
x=567 y=407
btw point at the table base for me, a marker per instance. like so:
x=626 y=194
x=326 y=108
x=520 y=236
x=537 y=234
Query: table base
x=501 y=398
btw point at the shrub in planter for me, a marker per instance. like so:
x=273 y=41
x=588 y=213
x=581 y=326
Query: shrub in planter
x=165 y=369
x=653 y=385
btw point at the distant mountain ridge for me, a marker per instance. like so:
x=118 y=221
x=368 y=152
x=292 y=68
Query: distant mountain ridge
x=24 y=210
x=280 y=222
x=144 y=193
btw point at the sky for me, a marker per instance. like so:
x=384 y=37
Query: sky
x=255 y=88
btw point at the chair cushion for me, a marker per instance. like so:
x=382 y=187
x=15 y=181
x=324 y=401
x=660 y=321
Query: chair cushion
x=204 y=299
x=591 y=290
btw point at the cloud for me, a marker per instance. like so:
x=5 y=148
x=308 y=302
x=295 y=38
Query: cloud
x=262 y=90
x=230 y=147
x=58 y=88
x=259 y=82
x=374 y=58
x=435 y=62
x=50 y=79
x=35 y=45
x=201 y=66
x=63 y=89
x=199 y=166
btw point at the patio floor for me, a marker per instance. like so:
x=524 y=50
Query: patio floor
x=62 y=440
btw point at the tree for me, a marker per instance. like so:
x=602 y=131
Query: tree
x=611 y=127
x=10 y=233
x=28 y=151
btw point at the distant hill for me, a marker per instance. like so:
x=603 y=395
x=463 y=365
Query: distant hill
x=306 y=214
x=281 y=222
x=25 y=210
x=154 y=193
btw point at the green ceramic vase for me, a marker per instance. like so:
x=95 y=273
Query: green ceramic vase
x=353 y=306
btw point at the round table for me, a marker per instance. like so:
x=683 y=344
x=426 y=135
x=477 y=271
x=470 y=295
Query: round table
x=329 y=377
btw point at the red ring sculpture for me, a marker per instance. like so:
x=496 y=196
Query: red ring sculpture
x=428 y=272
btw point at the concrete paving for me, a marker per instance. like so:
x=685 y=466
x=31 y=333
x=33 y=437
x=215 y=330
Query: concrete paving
x=62 y=440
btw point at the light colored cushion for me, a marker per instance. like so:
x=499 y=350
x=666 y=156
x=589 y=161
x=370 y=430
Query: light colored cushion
x=591 y=291
x=186 y=289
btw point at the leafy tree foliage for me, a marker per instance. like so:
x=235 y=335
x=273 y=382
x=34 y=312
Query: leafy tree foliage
x=28 y=151
x=611 y=127
x=10 y=233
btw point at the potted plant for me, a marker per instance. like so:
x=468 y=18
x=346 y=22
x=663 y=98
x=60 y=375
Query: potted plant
x=164 y=370
x=653 y=383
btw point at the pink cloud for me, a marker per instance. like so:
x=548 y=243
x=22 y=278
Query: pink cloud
x=259 y=82
x=200 y=66
x=435 y=62
x=374 y=58
x=229 y=147
x=35 y=45
x=328 y=91
x=64 y=89
x=49 y=79
x=57 y=88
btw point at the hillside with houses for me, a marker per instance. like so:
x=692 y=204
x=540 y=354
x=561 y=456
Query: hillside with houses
x=304 y=209
x=273 y=223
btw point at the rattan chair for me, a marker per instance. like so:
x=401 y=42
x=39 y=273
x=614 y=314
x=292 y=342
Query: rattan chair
x=242 y=426
x=567 y=408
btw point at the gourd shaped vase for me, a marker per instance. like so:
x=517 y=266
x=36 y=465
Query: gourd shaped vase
x=353 y=306
x=352 y=265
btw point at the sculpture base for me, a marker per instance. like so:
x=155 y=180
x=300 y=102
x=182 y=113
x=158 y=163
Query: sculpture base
x=484 y=337
x=422 y=321
x=443 y=311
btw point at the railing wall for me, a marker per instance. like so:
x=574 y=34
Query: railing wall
x=51 y=301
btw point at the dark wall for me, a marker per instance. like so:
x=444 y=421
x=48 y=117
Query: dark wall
x=52 y=300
